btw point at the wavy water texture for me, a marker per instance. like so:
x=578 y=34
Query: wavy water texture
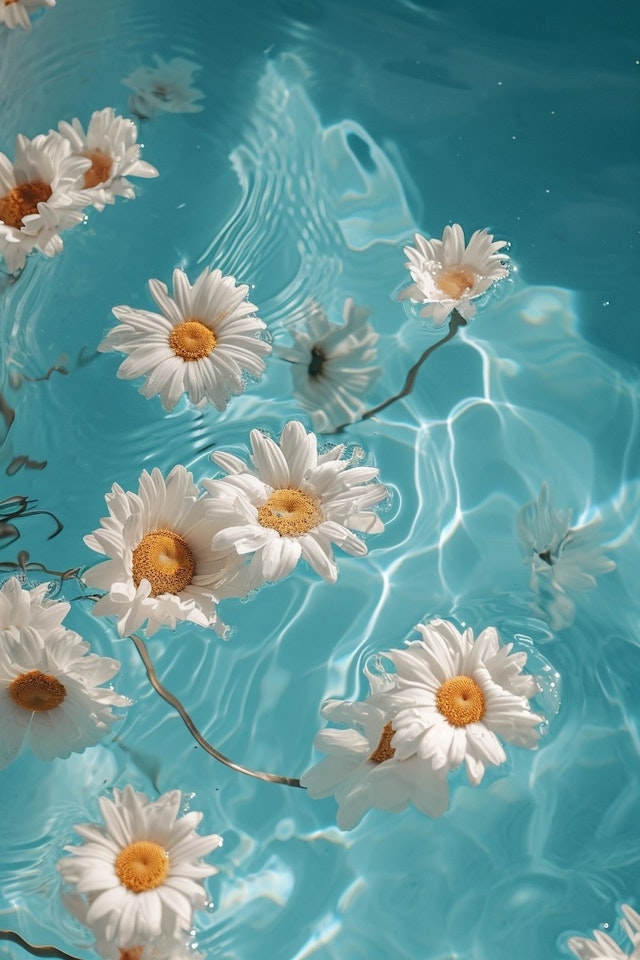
x=316 y=209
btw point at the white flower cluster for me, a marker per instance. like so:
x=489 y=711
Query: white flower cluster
x=604 y=947
x=15 y=13
x=56 y=176
x=51 y=693
x=174 y=553
x=451 y=700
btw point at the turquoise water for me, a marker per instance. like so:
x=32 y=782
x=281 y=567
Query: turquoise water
x=327 y=137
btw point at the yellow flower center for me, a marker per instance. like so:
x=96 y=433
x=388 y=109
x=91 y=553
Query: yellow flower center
x=142 y=866
x=100 y=169
x=164 y=559
x=455 y=282
x=290 y=512
x=192 y=340
x=22 y=201
x=131 y=953
x=384 y=750
x=461 y=700
x=37 y=691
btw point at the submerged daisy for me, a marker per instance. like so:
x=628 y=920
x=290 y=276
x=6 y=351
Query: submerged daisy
x=447 y=275
x=15 y=13
x=295 y=503
x=455 y=698
x=333 y=364
x=140 y=871
x=205 y=338
x=164 y=88
x=50 y=693
x=604 y=947
x=361 y=769
x=22 y=607
x=39 y=197
x=562 y=558
x=161 y=567
x=110 y=144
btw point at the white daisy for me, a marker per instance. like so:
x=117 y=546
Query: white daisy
x=50 y=693
x=205 y=337
x=295 y=503
x=39 y=197
x=140 y=872
x=455 y=697
x=333 y=364
x=110 y=144
x=447 y=275
x=164 y=88
x=15 y=13
x=21 y=607
x=603 y=947
x=161 y=565
x=562 y=558
x=361 y=769
x=158 y=948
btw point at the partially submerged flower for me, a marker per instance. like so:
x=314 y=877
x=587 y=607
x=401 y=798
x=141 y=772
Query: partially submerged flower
x=604 y=947
x=202 y=343
x=40 y=197
x=361 y=768
x=51 y=696
x=563 y=559
x=455 y=698
x=333 y=364
x=164 y=88
x=15 y=13
x=140 y=871
x=110 y=144
x=161 y=567
x=447 y=275
x=294 y=503
x=451 y=700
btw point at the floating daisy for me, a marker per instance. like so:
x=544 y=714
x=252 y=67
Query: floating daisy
x=201 y=344
x=295 y=504
x=15 y=13
x=22 y=607
x=161 y=568
x=563 y=559
x=110 y=144
x=361 y=769
x=455 y=698
x=333 y=364
x=603 y=947
x=164 y=88
x=50 y=693
x=140 y=871
x=447 y=275
x=39 y=197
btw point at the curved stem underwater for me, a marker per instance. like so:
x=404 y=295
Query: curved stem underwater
x=455 y=322
x=193 y=730
x=37 y=951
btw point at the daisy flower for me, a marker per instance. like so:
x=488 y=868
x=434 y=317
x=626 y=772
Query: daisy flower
x=110 y=144
x=205 y=338
x=50 y=693
x=333 y=364
x=15 y=13
x=603 y=947
x=140 y=870
x=21 y=607
x=447 y=275
x=164 y=88
x=294 y=504
x=39 y=197
x=161 y=568
x=454 y=698
x=361 y=769
x=562 y=558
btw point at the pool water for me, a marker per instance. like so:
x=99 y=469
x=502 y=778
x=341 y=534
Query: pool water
x=329 y=134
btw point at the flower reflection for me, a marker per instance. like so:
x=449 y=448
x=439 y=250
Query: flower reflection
x=165 y=88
